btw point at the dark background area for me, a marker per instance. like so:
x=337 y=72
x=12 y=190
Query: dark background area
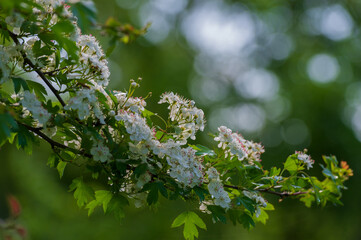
x=285 y=73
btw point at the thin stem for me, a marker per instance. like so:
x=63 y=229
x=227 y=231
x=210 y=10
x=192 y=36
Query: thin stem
x=280 y=194
x=165 y=123
x=54 y=143
x=40 y=73
x=51 y=73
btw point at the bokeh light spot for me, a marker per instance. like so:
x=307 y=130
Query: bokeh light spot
x=323 y=68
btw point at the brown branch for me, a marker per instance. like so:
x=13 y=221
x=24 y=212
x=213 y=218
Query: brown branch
x=54 y=143
x=280 y=194
x=51 y=73
x=14 y=37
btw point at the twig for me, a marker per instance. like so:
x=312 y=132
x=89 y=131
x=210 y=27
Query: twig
x=40 y=73
x=54 y=143
x=50 y=73
x=280 y=194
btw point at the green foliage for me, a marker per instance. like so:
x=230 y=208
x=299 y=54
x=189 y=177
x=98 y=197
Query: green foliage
x=102 y=198
x=155 y=188
x=291 y=164
x=82 y=192
x=191 y=221
x=118 y=141
x=6 y=124
x=61 y=167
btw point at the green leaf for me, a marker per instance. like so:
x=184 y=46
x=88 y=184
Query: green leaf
x=85 y=13
x=203 y=151
x=190 y=220
x=52 y=160
x=307 y=199
x=217 y=213
x=24 y=139
x=146 y=113
x=200 y=192
x=116 y=206
x=291 y=165
x=18 y=83
x=111 y=203
x=83 y=193
x=262 y=217
x=103 y=197
x=39 y=89
x=247 y=203
x=70 y=47
x=6 y=123
x=140 y=170
x=91 y=206
x=152 y=197
x=61 y=167
x=330 y=161
x=275 y=171
x=63 y=26
x=246 y=221
x=234 y=215
x=327 y=172
x=162 y=189
x=180 y=220
x=190 y=231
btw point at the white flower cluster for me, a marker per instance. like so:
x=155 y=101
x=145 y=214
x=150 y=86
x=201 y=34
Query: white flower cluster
x=256 y=197
x=302 y=156
x=216 y=189
x=30 y=102
x=83 y=102
x=134 y=104
x=100 y=152
x=135 y=126
x=142 y=180
x=188 y=118
x=49 y=6
x=185 y=166
x=236 y=145
x=93 y=59
x=15 y=21
x=4 y=68
x=7 y=56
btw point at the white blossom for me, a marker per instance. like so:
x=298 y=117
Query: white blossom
x=93 y=59
x=185 y=166
x=100 y=152
x=302 y=156
x=50 y=131
x=30 y=102
x=142 y=180
x=133 y=104
x=235 y=145
x=15 y=20
x=84 y=101
x=215 y=187
x=256 y=197
x=189 y=119
x=135 y=125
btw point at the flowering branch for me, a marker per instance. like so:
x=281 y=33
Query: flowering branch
x=115 y=131
x=39 y=72
x=53 y=143
x=50 y=73
x=280 y=194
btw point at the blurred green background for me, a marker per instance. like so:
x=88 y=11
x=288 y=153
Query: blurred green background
x=286 y=73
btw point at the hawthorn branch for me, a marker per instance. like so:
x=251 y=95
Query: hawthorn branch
x=280 y=194
x=14 y=37
x=53 y=143
x=51 y=73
